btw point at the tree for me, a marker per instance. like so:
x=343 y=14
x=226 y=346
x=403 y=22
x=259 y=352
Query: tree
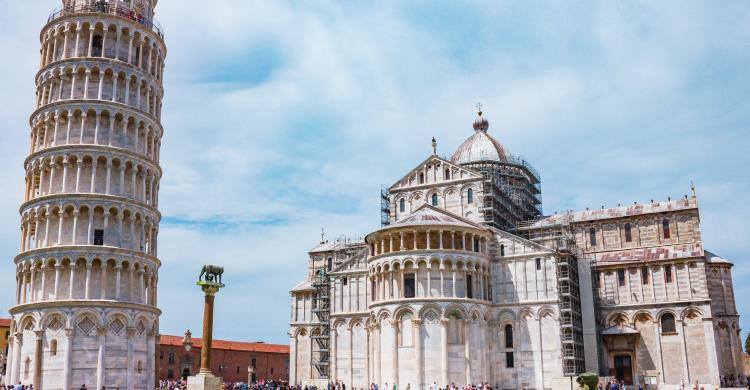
x=747 y=344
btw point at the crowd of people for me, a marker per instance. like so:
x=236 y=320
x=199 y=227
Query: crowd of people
x=261 y=385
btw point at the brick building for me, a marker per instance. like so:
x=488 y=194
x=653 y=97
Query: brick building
x=4 y=335
x=234 y=361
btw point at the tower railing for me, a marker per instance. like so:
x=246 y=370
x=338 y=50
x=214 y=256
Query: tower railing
x=105 y=8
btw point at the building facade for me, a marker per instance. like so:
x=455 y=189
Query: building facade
x=233 y=361
x=467 y=282
x=86 y=299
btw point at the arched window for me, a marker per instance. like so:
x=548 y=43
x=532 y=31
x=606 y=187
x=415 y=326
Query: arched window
x=447 y=173
x=96 y=46
x=665 y=228
x=502 y=250
x=434 y=200
x=509 y=336
x=330 y=263
x=470 y=196
x=592 y=236
x=628 y=233
x=668 y=323
x=140 y=367
x=402 y=205
x=53 y=347
x=421 y=178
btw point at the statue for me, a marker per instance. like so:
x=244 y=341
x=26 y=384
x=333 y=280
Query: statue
x=212 y=272
x=588 y=381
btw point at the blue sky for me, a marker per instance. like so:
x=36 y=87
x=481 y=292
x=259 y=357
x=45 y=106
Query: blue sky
x=285 y=117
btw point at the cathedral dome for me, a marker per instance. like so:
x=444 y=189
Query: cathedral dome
x=480 y=146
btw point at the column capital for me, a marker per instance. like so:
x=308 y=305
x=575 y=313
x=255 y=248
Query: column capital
x=39 y=333
x=130 y=331
x=416 y=323
x=70 y=332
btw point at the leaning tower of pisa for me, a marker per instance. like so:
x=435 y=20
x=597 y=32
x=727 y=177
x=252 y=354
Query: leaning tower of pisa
x=87 y=270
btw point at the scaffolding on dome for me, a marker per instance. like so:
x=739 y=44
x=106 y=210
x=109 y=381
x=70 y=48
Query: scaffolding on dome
x=512 y=191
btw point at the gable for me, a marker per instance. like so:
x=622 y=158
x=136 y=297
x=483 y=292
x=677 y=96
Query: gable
x=432 y=171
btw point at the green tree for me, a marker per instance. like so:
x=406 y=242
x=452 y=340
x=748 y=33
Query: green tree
x=747 y=344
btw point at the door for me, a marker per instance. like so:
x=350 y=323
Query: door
x=624 y=369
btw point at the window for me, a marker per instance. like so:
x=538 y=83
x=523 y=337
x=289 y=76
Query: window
x=644 y=275
x=665 y=228
x=170 y=373
x=170 y=360
x=221 y=368
x=628 y=233
x=421 y=178
x=592 y=236
x=621 y=278
x=271 y=370
x=409 y=286
x=402 y=205
x=161 y=355
x=502 y=250
x=476 y=244
x=330 y=263
x=599 y=279
x=96 y=46
x=668 y=273
x=139 y=367
x=434 y=199
x=469 y=290
x=470 y=196
x=344 y=281
x=447 y=173
x=509 y=336
x=238 y=369
x=509 y=360
x=538 y=264
x=668 y=323
x=252 y=363
x=53 y=347
x=98 y=237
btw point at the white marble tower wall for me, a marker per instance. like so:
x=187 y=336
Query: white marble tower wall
x=87 y=271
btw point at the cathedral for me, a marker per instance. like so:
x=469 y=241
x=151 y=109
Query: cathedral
x=467 y=282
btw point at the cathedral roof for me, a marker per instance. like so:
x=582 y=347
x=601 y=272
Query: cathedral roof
x=428 y=215
x=480 y=146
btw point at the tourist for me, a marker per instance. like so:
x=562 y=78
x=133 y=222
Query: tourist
x=600 y=386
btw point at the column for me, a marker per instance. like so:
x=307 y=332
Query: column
x=87 y=293
x=96 y=128
x=444 y=351
x=118 y=268
x=150 y=359
x=57 y=280
x=417 y=324
x=376 y=354
x=65 y=174
x=79 y=165
x=293 y=358
x=440 y=239
x=129 y=367
x=394 y=351
x=402 y=242
x=109 y=174
x=102 y=339
x=17 y=342
x=467 y=350
x=659 y=358
x=427 y=236
x=68 y=364
x=72 y=278
x=102 y=282
x=351 y=357
x=38 y=359
x=94 y=163
x=75 y=227
x=453 y=268
x=334 y=356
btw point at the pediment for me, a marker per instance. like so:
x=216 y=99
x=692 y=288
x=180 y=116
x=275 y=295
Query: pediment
x=433 y=169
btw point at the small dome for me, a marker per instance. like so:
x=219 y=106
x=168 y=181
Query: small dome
x=481 y=124
x=480 y=146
